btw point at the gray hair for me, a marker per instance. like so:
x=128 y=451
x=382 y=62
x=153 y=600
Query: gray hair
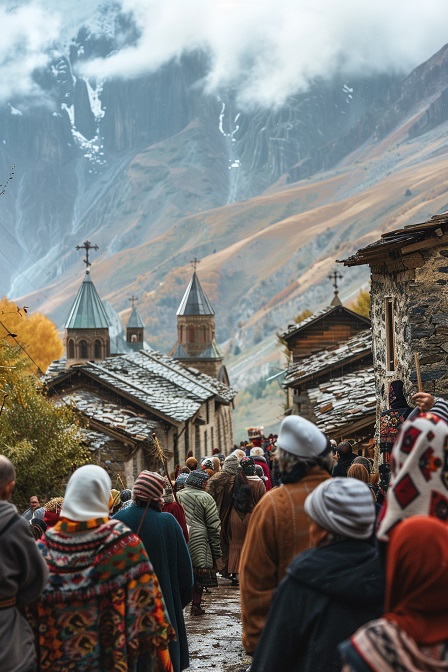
x=7 y=472
x=287 y=461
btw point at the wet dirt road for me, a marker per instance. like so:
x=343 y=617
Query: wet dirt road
x=215 y=638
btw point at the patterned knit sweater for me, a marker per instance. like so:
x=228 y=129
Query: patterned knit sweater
x=102 y=608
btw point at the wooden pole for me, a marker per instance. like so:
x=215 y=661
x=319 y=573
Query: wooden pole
x=417 y=370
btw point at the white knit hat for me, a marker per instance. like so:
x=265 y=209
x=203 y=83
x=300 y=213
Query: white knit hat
x=344 y=506
x=301 y=437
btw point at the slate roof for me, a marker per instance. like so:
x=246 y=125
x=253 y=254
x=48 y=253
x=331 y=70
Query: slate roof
x=111 y=414
x=195 y=301
x=135 y=321
x=316 y=365
x=156 y=382
x=345 y=402
x=294 y=329
x=87 y=311
x=393 y=241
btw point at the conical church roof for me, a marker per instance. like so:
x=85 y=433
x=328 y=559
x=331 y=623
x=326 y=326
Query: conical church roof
x=87 y=311
x=195 y=301
x=135 y=321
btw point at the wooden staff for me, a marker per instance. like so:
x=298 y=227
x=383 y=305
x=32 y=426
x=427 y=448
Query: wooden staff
x=162 y=458
x=417 y=370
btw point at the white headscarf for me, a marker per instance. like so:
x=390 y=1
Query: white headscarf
x=87 y=494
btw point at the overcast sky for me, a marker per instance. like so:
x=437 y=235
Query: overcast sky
x=264 y=49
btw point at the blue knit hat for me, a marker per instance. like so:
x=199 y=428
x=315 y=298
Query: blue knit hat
x=197 y=478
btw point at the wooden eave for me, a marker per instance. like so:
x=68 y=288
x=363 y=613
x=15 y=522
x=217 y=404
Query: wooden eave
x=403 y=242
x=327 y=316
x=351 y=427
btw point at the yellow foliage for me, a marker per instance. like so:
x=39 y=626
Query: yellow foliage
x=35 y=333
x=362 y=303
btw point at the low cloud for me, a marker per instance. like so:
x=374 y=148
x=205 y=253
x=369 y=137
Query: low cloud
x=26 y=37
x=263 y=49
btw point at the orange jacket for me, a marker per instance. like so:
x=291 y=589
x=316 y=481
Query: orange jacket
x=277 y=532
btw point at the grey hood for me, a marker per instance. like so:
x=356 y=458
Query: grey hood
x=7 y=511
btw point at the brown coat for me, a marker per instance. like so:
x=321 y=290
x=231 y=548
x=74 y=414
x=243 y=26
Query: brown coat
x=278 y=531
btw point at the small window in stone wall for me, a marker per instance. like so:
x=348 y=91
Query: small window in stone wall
x=71 y=349
x=390 y=333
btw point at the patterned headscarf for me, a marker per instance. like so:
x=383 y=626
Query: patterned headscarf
x=207 y=464
x=248 y=466
x=419 y=473
x=231 y=464
x=149 y=486
x=197 y=479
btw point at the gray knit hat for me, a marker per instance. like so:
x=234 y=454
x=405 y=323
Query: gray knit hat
x=344 y=506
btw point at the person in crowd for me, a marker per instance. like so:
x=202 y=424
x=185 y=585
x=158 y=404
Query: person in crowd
x=412 y=635
x=207 y=466
x=216 y=464
x=116 y=501
x=102 y=608
x=126 y=498
x=278 y=526
x=23 y=575
x=239 y=453
x=248 y=489
x=260 y=473
x=418 y=482
x=345 y=458
x=259 y=458
x=52 y=511
x=359 y=472
x=392 y=418
x=180 y=482
x=171 y=506
x=38 y=527
x=320 y=602
x=203 y=519
x=167 y=550
x=220 y=487
x=31 y=510
x=191 y=463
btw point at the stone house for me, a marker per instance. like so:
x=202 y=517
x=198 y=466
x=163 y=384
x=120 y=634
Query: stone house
x=409 y=282
x=330 y=377
x=128 y=400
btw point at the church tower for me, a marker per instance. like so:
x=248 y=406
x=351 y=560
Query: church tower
x=196 y=345
x=87 y=326
x=135 y=328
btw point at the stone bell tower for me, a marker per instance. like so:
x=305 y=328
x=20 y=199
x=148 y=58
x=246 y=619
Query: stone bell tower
x=87 y=326
x=196 y=345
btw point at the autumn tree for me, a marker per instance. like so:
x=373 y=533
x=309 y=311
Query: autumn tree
x=40 y=438
x=362 y=303
x=35 y=334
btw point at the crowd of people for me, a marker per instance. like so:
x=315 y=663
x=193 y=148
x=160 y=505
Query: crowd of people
x=338 y=569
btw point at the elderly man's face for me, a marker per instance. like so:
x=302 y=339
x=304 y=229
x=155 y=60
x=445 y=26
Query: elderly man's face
x=34 y=503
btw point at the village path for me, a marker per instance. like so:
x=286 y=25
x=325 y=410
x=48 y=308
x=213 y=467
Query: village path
x=215 y=638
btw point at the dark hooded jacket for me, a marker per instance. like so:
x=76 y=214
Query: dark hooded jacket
x=328 y=592
x=23 y=575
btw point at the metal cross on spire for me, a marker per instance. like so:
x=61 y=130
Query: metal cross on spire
x=87 y=246
x=194 y=262
x=133 y=299
x=334 y=277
